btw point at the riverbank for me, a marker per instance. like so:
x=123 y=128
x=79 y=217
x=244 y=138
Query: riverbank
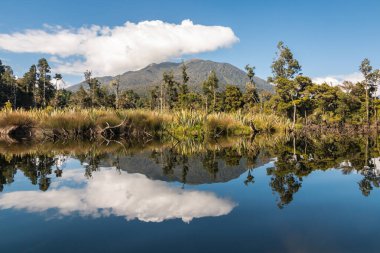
x=140 y=125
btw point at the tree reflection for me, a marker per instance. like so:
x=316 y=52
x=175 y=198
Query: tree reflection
x=36 y=168
x=250 y=179
x=296 y=158
x=300 y=156
x=210 y=163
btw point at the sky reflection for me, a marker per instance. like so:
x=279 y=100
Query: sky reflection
x=110 y=192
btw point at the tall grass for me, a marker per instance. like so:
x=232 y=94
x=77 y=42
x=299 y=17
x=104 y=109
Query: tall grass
x=141 y=123
x=18 y=118
x=268 y=123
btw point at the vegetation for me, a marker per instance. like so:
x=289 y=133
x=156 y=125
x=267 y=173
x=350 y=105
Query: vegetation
x=35 y=101
x=132 y=124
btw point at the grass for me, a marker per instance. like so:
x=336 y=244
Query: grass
x=222 y=124
x=269 y=123
x=17 y=118
x=142 y=124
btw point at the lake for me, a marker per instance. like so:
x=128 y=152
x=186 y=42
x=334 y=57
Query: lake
x=267 y=194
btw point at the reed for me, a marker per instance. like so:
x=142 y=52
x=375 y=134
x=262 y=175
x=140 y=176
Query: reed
x=141 y=124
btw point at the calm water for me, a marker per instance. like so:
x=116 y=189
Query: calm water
x=265 y=195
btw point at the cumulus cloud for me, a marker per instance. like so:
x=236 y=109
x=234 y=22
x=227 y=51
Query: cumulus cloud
x=114 y=50
x=338 y=79
x=132 y=196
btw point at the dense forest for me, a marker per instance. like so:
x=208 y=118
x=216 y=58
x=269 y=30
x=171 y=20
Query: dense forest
x=296 y=96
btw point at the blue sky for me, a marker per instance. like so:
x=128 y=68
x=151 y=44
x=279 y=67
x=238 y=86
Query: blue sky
x=329 y=38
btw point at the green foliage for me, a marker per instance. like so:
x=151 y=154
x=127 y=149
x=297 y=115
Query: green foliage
x=129 y=100
x=221 y=124
x=184 y=89
x=171 y=89
x=209 y=88
x=233 y=98
x=8 y=106
x=296 y=97
x=284 y=66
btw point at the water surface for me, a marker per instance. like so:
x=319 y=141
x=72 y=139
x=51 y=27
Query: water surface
x=263 y=195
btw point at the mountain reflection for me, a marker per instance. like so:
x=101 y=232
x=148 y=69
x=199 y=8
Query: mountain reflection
x=110 y=192
x=194 y=163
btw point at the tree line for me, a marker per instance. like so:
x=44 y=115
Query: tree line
x=295 y=95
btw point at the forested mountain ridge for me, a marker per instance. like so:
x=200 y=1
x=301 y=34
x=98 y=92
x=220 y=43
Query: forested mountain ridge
x=198 y=70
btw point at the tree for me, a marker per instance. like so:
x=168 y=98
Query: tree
x=8 y=86
x=183 y=98
x=94 y=85
x=233 y=98
x=250 y=97
x=62 y=98
x=129 y=100
x=209 y=88
x=2 y=70
x=11 y=80
x=28 y=81
x=154 y=98
x=171 y=89
x=44 y=81
x=115 y=83
x=284 y=68
x=81 y=98
x=371 y=77
x=284 y=65
x=184 y=89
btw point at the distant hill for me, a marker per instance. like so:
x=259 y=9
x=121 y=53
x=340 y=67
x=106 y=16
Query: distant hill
x=144 y=79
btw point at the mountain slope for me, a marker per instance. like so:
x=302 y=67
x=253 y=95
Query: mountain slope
x=144 y=79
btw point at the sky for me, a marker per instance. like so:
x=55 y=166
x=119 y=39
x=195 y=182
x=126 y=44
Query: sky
x=329 y=38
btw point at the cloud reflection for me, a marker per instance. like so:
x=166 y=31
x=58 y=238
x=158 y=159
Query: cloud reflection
x=132 y=196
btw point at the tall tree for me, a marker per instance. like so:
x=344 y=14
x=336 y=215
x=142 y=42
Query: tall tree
x=115 y=83
x=233 y=98
x=154 y=98
x=8 y=86
x=2 y=70
x=171 y=89
x=210 y=87
x=94 y=85
x=371 y=77
x=284 y=65
x=284 y=69
x=44 y=78
x=184 y=89
x=251 y=96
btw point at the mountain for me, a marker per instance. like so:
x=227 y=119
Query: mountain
x=196 y=174
x=198 y=70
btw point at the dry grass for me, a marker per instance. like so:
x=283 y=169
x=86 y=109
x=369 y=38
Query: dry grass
x=269 y=123
x=17 y=118
x=182 y=124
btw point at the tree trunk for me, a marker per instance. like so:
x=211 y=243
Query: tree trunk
x=213 y=108
x=294 y=115
x=44 y=91
x=206 y=105
x=14 y=94
x=367 y=104
x=161 y=97
x=305 y=117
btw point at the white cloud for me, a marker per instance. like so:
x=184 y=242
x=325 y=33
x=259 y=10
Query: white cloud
x=338 y=79
x=114 y=50
x=109 y=192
